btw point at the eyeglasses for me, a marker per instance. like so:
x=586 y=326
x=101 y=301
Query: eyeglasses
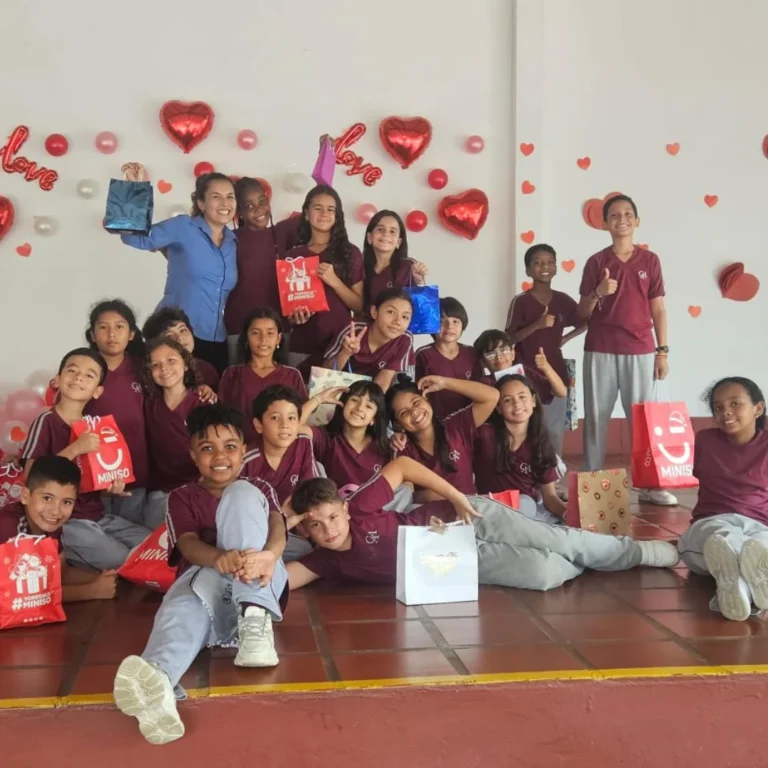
x=497 y=353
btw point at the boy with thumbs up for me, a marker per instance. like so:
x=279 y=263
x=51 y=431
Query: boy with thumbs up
x=622 y=295
x=536 y=321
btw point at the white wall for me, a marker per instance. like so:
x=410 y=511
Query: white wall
x=288 y=70
x=616 y=81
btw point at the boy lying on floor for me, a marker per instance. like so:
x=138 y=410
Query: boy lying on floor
x=356 y=539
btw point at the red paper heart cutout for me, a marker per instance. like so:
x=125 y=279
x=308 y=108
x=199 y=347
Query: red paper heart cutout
x=741 y=287
x=673 y=149
x=728 y=275
x=584 y=163
x=24 y=249
x=765 y=146
x=569 y=265
x=527 y=188
x=526 y=285
x=592 y=213
x=694 y=311
x=164 y=186
x=711 y=200
x=464 y=214
x=186 y=124
x=528 y=237
x=17 y=434
x=7 y=215
x=527 y=149
x=644 y=246
x=405 y=138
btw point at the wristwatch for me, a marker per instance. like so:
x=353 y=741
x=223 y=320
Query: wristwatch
x=662 y=350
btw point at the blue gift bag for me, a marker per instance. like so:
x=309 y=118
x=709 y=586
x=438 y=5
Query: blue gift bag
x=426 y=309
x=129 y=207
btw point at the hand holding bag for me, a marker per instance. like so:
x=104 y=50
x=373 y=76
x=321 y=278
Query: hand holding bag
x=129 y=205
x=111 y=463
x=426 y=309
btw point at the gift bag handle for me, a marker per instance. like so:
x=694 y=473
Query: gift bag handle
x=19 y=536
x=137 y=169
x=660 y=394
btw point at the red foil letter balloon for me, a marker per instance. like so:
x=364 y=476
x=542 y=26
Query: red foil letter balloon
x=405 y=138
x=186 y=124
x=355 y=164
x=464 y=214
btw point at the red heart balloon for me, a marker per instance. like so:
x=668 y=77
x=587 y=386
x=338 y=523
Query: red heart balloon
x=405 y=138
x=7 y=214
x=464 y=214
x=186 y=125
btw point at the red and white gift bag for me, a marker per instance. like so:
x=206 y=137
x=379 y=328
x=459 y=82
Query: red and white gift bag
x=299 y=286
x=510 y=498
x=30 y=582
x=113 y=459
x=147 y=564
x=11 y=482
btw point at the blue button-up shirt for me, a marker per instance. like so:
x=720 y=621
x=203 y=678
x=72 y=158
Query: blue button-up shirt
x=200 y=274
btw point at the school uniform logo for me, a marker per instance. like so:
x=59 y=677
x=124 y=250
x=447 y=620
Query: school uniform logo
x=372 y=537
x=136 y=387
x=468 y=375
x=294 y=479
x=377 y=467
x=454 y=455
x=642 y=274
x=382 y=364
x=524 y=467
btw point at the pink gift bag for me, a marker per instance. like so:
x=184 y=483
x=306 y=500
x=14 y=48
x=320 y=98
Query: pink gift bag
x=325 y=165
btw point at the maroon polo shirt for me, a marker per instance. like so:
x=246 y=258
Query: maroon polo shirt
x=394 y=355
x=382 y=281
x=465 y=366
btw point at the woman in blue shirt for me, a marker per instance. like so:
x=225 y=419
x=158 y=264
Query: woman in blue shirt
x=202 y=264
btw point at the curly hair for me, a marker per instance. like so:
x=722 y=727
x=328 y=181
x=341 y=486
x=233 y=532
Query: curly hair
x=191 y=375
x=542 y=454
x=369 y=256
x=338 y=246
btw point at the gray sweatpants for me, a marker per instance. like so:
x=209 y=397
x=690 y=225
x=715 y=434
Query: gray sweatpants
x=202 y=606
x=554 y=422
x=606 y=377
x=513 y=551
x=735 y=528
x=103 y=545
x=130 y=508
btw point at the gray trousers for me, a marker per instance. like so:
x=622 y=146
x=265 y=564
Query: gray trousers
x=534 y=509
x=606 y=377
x=130 y=508
x=101 y=546
x=735 y=528
x=554 y=422
x=513 y=551
x=202 y=606
x=155 y=508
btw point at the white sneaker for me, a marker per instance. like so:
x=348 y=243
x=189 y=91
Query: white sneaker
x=657 y=497
x=733 y=595
x=659 y=554
x=753 y=563
x=257 y=641
x=143 y=691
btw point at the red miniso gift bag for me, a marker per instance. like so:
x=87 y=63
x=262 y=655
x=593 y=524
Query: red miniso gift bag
x=113 y=459
x=299 y=285
x=147 y=564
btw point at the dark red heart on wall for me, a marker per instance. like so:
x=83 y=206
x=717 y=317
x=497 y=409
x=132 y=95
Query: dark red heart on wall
x=406 y=139
x=186 y=124
x=7 y=214
x=464 y=214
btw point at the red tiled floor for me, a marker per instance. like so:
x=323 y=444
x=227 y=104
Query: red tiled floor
x=33 y=649
x=518 y=658
x=400 y=664
x=491 y=601
x=733 y=652
x=568 y=600
x=292 y=669
x=378 y=635
x=490 y=630
x=710 y=625
x=666 y=599
x=30 y=682
x=332 y=608
x=604 y=626
x=619 y=655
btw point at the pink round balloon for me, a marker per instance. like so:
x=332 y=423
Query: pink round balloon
x=23 y=406
x=247 y=139
x=106 y=142
x=365 y=212
x=475 y=144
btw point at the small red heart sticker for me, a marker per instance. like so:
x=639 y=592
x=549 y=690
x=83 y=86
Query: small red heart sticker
x=673 y=149
x=528 y=237
x=694 y=310
x=527 y=149
x=24 y=249
x=527 y=188
x=17 y=434
x=711 y=200
x=584 y=163
x=568 y=265
x=526 y=285
x=164 y=187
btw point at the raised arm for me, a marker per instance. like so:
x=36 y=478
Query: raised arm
x=162 y=234
x=483 y=397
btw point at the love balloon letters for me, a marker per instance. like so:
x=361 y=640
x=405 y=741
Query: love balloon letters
x=45 y=177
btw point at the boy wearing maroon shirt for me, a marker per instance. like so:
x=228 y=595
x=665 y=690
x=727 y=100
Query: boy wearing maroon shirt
x=536 y=320
x=356 y=540
x=174 y=322
x=226 y=536
x=91 y=538
x=46 y=504
x=622 y=294
x=281 y=456
x=446 y=357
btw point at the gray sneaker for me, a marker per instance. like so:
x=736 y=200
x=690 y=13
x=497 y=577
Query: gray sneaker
x=733 y=594
x=257 y=640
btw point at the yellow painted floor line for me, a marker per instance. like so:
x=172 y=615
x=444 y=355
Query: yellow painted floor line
x=630 y=673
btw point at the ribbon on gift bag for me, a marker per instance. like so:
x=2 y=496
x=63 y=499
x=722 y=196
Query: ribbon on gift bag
x=426 y=308
x=129 y=204
x=662 y=443
x=299 y=286
x=30 y=582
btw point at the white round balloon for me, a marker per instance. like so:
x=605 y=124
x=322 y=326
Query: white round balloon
x=45 y=225
x=297 y=182
x=177 y=210
x=87 y=188
x=38 y=382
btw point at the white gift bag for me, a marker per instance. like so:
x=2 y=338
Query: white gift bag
x=436 y=564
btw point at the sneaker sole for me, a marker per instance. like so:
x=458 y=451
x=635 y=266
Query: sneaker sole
x=139 y=691
x=723 y=564
x=642 y=500
x=246 y=662
x=754 y=568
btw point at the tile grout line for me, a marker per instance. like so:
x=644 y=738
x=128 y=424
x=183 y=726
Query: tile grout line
x=321 y=638
x=442 y=644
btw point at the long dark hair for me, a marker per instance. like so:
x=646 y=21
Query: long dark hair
x=405 y=384
x=377 y=429
x=191 y=375
x=135 y=348
x=260 y=313
x=339 y=245
x=754 y=393
x=542 y=454
x=369 y=256
x=201 y=188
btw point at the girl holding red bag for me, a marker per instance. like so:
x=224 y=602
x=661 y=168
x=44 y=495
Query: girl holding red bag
x=322 y=233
